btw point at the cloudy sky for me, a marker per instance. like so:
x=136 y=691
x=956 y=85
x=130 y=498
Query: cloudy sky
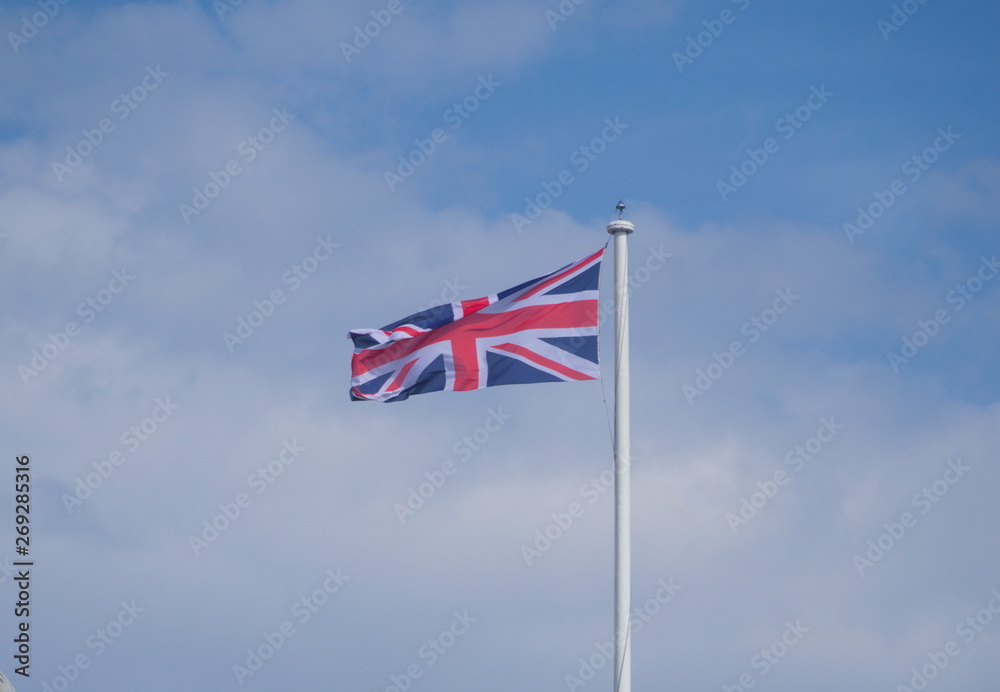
x=199 y=199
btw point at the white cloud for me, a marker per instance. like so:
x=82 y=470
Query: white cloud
x=334 y=507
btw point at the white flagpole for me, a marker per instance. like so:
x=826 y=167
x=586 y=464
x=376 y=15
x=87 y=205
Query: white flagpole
x=620 y=231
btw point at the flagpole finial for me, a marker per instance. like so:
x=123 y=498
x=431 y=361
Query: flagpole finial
x=620 y=225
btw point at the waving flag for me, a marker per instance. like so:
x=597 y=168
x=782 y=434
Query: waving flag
x=544 y=330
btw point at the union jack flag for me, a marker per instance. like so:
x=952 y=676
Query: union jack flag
x=544 y=330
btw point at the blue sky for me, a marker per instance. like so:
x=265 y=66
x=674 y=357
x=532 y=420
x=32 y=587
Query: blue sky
x=169 y=169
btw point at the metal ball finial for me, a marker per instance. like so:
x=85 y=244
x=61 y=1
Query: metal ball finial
x=620 y=226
